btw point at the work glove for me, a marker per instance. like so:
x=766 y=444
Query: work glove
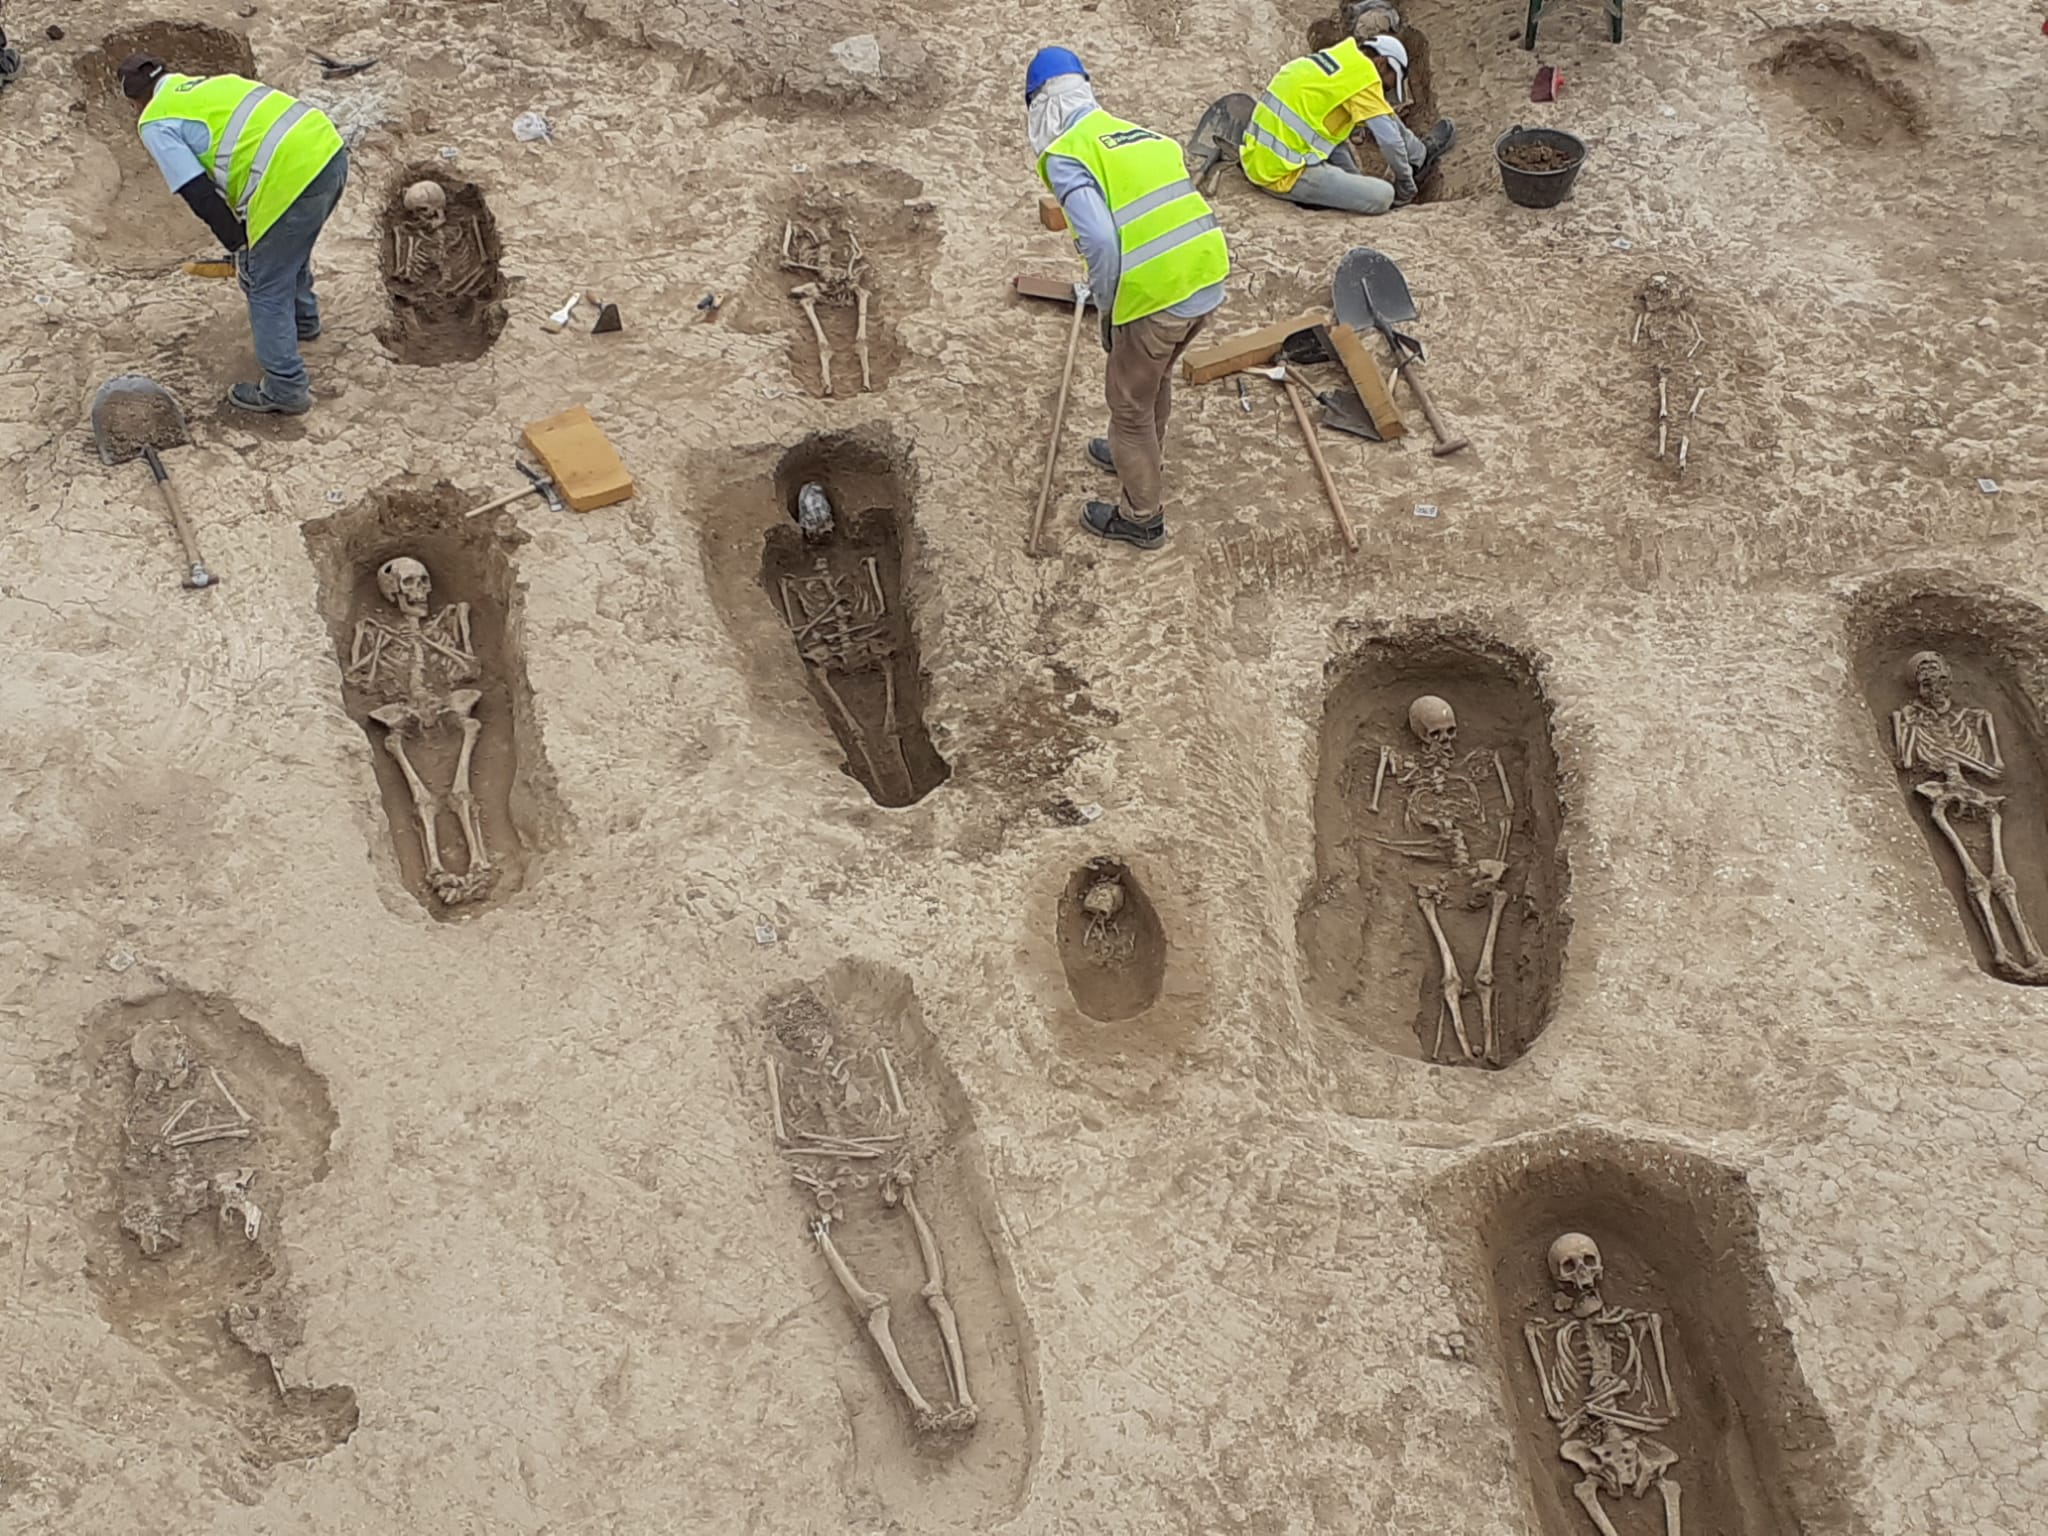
x=1108 y=333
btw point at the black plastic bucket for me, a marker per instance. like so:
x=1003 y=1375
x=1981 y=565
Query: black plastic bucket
x=1539 y=189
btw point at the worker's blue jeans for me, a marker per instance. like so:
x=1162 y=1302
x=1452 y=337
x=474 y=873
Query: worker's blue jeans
x=277 y=280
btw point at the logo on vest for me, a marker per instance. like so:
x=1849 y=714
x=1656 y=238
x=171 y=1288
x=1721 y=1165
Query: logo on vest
x=1127 y=136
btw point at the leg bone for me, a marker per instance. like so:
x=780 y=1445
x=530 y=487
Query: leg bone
x=1587 y=1491
x=1668 y=1487
x=1483 y=978
x=423 y=803
x=1979 y=886
x=934 y=1293
x=874 y=1309
x=860 y=337
x=1453 y=982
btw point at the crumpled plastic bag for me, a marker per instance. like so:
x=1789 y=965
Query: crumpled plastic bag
x=529 y=127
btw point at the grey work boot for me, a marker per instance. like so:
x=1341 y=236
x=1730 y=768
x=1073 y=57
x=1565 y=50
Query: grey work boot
x=1436 y=144
x=257 y=397
x=1105 y=519
x=1098 y=451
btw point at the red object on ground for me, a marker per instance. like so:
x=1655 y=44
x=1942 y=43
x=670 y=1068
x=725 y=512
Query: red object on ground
x=1548 y=85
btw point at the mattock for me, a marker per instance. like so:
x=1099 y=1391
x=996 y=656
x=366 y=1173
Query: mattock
x=897 y=1188
x=874 y=1309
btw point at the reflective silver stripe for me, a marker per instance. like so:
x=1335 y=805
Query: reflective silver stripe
x=1292 y=119
x=1287 y=153
x=224 y=147
x=267 y=151
x=1151 y=202
x=1159 y=245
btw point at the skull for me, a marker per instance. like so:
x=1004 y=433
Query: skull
x=427 y=201
x=1434 y=723
x=1105 y=898
x=1930 y=675
x=1575 y=1266
x=405 y=585
x=160 y=1053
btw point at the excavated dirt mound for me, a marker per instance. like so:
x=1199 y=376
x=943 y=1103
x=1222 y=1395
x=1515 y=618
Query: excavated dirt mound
x=187 y=47
x=1851 y=83
x=470 y=564
x=441 y=274
x=1537 y=158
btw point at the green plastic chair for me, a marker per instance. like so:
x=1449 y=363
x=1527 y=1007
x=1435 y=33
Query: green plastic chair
x=1536 y=10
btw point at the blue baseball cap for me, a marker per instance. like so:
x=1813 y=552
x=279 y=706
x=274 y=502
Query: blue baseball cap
x=1048 y=62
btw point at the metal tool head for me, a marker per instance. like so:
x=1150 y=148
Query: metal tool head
x=1221 y=129
x=1369 y=292
x=132 y=413
x=542 y=484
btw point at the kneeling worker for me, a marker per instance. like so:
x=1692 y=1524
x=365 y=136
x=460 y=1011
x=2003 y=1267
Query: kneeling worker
x=1297 y=144
x=264 y=171
x=1156 y=265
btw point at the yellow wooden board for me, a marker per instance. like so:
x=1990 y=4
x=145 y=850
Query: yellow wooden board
x=580 y=460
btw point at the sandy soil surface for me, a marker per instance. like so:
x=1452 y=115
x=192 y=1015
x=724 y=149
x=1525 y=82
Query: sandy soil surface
x=1224 y=1249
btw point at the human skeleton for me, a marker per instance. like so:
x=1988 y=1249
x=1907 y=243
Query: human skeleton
x=1445 y=815
x=166 y=1147
x=1606 y=1385
x=1934 y=734
x=806 y=250
x=842 y=624
x=831 y=1141
x=416 y=662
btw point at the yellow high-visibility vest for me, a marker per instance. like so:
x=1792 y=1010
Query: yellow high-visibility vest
x=267 y=147
x=1286 y=131
x=1170 y=243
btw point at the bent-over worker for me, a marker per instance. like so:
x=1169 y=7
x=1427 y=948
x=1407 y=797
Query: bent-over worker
x=1156 y=265
x=1297 y=145
x=264 y=172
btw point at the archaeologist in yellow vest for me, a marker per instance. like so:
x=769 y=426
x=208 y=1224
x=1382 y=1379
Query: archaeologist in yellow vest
x=264 y=172
x=1297 y=145
x=1156 y=265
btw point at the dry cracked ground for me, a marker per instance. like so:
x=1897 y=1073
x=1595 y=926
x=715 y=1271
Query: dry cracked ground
x=1057 y=904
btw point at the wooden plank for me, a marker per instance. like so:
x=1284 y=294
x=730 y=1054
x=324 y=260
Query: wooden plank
x=1051 y=214
x=1365 y=375
x=580 y=460
x=1052 y=288
x=1252 y=349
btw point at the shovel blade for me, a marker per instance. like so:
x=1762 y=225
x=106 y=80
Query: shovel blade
x=1218 y=134
x=131 y=413
x=1369 y=292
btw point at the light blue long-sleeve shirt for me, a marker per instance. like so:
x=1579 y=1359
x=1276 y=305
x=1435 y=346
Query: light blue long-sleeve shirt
x=1087 y=209
x=175 y=144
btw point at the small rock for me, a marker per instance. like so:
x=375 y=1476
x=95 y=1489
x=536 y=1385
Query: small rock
x=54 y=33
x=860 y=55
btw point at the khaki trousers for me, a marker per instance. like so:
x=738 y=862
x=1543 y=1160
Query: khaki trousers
x=1142 y=357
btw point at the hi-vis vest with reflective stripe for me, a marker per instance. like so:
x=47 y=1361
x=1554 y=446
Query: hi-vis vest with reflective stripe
x=1286 y=132
x=1170 y=244
x=267 y=147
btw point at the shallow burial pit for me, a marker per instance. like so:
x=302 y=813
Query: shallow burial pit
x=859 y=246
x=1111 y=943
x=1438 y=825
x=833 y=569
x=197 y=1136
x=439 y=254
x=1629 y=1277
x=424 y=607
x=139 y=225
x=887 y=1200
x=1850 y=83
x=1952 y=676
x=1465 y=170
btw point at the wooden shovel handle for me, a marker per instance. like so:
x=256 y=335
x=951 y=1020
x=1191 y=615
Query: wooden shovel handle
x=1445 y=442
x=505 y=500
x=162 y=476
x=1315 y=453
x=1059 y=419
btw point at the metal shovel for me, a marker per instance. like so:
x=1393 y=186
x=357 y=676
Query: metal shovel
x=1216 y=137
x=1369 y=290
x=133 y=417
